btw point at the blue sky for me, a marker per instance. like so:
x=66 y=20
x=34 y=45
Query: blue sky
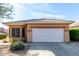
x=67 y=11
x=51 y=10
x=46 y=10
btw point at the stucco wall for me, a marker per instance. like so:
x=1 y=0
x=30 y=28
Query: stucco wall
x=66 y=36
x=28 y=30
x=64 y=26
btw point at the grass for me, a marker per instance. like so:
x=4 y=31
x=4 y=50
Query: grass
x=73 y=28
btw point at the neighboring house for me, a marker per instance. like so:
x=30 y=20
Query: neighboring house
x=74 y=25
x=3 y=31
x=39 y=30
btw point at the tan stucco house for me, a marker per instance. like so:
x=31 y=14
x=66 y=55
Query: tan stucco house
x=39 y=30
x=74 y=25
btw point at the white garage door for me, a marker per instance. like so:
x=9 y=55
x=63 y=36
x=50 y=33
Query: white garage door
x=47 y=35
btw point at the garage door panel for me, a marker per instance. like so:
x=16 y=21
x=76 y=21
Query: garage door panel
x=47 y=35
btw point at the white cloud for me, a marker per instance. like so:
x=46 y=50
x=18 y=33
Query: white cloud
x=18 y=11
x=41 y=11
x=46 y=15
x=42 y=7
x=6 y=20
x=34 y=11
x=4 y=26
x=18 y=7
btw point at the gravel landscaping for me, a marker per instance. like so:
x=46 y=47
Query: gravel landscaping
x=44 y=49
x=4 y=51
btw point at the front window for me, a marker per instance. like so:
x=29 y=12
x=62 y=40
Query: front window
x=16 y=32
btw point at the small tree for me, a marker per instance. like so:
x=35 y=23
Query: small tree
x=5 y=10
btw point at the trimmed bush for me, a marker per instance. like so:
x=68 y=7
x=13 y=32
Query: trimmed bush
x=3 y=36
x=16 y=46
x=74 y=34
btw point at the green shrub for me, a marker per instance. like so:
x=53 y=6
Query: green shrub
x=14 y=40
x=3 y=36
x=74 y=34
x=16 y=46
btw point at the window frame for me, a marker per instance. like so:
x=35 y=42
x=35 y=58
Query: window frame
x=15 y=34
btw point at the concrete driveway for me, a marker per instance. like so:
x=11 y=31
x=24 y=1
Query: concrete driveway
x=44 y=49
x=54 y=49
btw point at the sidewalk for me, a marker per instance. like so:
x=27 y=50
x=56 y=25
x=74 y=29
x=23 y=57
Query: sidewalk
x=4 y=43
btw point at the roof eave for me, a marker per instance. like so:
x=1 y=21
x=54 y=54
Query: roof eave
x=23 y=23
x=13 y=23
